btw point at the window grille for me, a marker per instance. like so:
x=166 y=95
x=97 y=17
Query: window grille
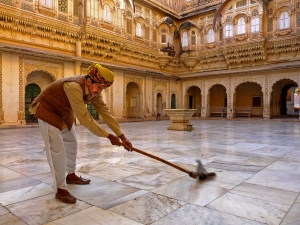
x=129 y=26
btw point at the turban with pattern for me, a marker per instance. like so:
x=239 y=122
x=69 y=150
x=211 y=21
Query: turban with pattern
x=101 y=75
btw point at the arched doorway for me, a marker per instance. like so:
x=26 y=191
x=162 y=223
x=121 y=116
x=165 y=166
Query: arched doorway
x=248 y=100
x=173 y=101
x=133 y=101
x=36 y=82
x=31 y=92
x=217 y=101
x=282 y=99
x=193 y=99
x=159 y=105
x=91 y=109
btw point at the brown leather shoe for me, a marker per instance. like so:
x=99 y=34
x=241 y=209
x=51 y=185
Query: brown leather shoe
x=65 y=197
x=78 y=180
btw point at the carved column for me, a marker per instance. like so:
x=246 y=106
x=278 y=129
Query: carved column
x=204 y=102
x=230 y=100
x=266 y=99
x=77 y=67
x=88 y=11
x=1 y=109
x=21 y=112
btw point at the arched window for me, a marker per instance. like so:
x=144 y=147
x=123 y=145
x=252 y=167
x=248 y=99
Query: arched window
x=107 y=13
x=47 y=3
x=228 y=31
x=284 y=20
x=138 y=30
x=185 y=39
x=255 y=25
x=163 y=36
x=95 y=9
x=241 y=26
x=211 y=36
x=193 y=38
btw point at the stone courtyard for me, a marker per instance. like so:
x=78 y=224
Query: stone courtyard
x=257 y=164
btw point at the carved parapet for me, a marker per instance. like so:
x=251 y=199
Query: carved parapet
x=190 y=61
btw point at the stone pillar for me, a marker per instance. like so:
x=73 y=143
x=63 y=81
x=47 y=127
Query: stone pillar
x=230 y=101
x=78 y=49
x=266 y=99
x=77 y=67
x=13 y=87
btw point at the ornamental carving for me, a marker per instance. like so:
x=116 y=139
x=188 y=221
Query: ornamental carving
x=259 y=80
x=213 y=82
x=286 y=75
x=21 y=112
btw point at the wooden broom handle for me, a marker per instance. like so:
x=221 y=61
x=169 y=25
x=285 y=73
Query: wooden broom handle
x=159 y=159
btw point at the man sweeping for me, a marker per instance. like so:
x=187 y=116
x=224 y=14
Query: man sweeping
x=55 y=108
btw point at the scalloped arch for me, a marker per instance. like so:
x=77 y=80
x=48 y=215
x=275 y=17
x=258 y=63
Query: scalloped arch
x=44 y=71
x=33 y=83
x=255 y=81
x=191 y=85
x=283 y=77
x=212 y=85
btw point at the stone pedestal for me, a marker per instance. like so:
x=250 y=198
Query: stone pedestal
x=180 y=118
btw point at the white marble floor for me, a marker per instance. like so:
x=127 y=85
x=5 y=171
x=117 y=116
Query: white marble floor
x=257 y=165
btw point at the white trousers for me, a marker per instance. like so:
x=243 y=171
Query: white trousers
x=61 y=150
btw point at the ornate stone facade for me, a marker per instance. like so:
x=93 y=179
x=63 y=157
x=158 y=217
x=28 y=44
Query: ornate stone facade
x=230 y=43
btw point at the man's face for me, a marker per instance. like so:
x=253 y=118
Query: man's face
x=94 y=88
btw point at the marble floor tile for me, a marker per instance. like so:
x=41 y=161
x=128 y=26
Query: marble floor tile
x=94 y=215
x=260 y=161
x=8 y=174
x=293 y=216
x=228 y=158
x=17 y=184
x=287 y=166
x=116 y=172
x=227 y=179
x=3 y=210
x=191 y=190
x=193 y=214
x=19 y=195
x=29 y=169
x=44 y=209
x=150 y=179
x=10 y=219
x=277 y=179
x=257 y=175
x=266 y=193
x=124 y=199
x=148 y=208
x=44 y=177
x=233 y=166
x=250 y=208
x=293 y=156
x=100 y=192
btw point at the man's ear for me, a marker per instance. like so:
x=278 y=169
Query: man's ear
x=88 y=81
